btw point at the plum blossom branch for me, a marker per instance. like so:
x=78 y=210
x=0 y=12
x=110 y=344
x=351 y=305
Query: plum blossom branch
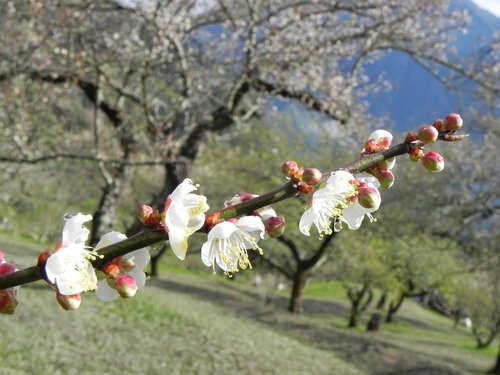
x=152 y=234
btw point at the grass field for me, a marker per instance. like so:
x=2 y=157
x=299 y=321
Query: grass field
x=184 y=323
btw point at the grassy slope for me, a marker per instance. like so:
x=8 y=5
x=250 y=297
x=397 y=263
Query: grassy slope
x=166 y=329
x=187 y=324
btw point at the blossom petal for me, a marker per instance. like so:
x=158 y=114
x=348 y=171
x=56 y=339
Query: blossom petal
x=353 y=215
x=140 y=257
x=306 y=220
x=222 y=230
x=109 y=239
x=184 y=188
x=251 y=224
x=74 y=232
x=105 y=293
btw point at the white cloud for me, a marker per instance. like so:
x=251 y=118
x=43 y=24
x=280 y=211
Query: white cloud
x=493 y=6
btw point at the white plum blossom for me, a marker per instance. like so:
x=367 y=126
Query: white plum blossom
x=131 y=264
x=69 y=268
x=184 y=215
x=354 y=213
x=328 y=204
x=228 y=243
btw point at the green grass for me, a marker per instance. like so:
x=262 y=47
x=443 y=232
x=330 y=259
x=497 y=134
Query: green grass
x=190 y=322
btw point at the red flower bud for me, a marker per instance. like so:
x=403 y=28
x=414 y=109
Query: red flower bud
x=427 y=134
x=386 y=179
x=416 y=154
x=410 y=137
x=126 y=286
x=305 y=188
x=453 y=122
x=71 y=302
x=439 y=125
x=8 y=301
x=289 y=167
x=433 y=162
x=7 y=268
x=275 y=226
x=143 y=212
x=371 y=146
x=111 y=270
x=311 y=176
x=369 y=196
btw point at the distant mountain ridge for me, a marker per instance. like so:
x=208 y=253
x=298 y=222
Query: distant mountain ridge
x=417 y=97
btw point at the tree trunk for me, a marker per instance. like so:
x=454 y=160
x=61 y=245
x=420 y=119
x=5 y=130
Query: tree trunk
x=357 y=306
x=154 y=262
x=382 y=300
x=299 y=282
x=496 y=369
x=483 y=342
x=104 y=215
x=394 y=307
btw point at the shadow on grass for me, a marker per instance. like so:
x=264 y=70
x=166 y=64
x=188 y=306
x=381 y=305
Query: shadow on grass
x=364 y=350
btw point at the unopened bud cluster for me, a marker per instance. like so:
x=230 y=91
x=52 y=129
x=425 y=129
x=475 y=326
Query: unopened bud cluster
x=8 y=300
x=378 y=141
x=304 y=178
x=433 y=161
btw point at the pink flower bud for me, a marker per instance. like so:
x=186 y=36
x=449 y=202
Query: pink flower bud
x=71 y=302
x=289 y=167
x=427 y=134
x=7 y=268
x=275 y=226
x=312 y=176
x=416 y=154
x=2 y=257
x=8 y=301
x=433 y=162
x=386 y=179
x=369 y=196
x=126 y=264
x=410 y=137
x=143 y=212
x=439 y=125
x=453 y=122
x=126 y=286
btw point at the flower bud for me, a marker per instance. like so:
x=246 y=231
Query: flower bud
x=411 y=137
x=126 y=286
x=433 y=162
x=8 y=301
x=386 y=179
x=70 y=302
x=289 y=167
x=416 y=154
x=111 y=270
x=439 y=125
x=305 y=188
x=126 y=264
x=311 y=176
x=275 y=226
x=369 y=196
x=453 y=122
x=427 y=134
x=370 y=146
x=2 y=257
x=154 y=219
x=387 y=164
x=7 y=268
x=143 y=212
